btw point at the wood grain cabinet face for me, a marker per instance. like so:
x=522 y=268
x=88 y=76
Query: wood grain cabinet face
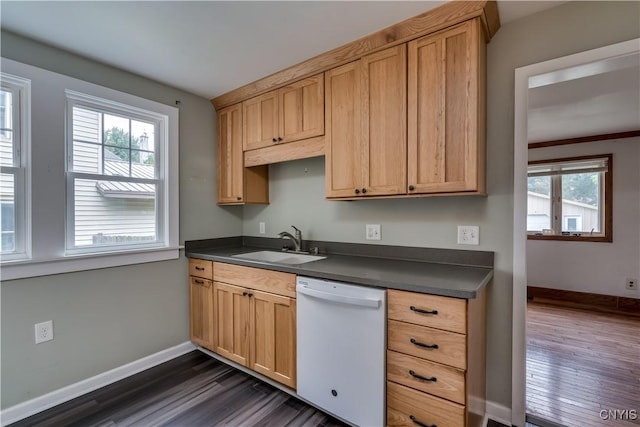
x=446 y=133
x=366 y=126
x=274 y=337
x=343 y=133
x=236 y=183
x=201 y=302
x=254 y=328
x=230 y=173
x=435 y=360
x=302 y=109
x=232 y=322
x=291 y=113
x=201 y=311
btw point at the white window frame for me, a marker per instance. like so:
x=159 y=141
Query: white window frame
x=161 y=124
x=47 y=193
x=21 y=99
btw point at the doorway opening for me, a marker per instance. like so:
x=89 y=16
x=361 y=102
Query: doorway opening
x=592 y=63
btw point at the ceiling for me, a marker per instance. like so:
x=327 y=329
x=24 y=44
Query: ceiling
x=211 y=47
x=598 y=98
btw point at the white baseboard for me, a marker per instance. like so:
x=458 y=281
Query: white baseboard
x=56 y=397
x=499 y=413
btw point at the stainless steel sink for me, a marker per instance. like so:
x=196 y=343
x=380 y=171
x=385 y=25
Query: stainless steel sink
x=279 y=257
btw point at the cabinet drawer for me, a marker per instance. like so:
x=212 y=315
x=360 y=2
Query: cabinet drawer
x=196 y=281
x=275 y=282
x=200 y=268
x=408 y=407
x=413 y=340
x=449 y=314
x=434 y=378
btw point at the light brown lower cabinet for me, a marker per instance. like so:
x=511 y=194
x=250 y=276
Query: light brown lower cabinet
x=435 y=360
x=254 y=328
x=201 y=303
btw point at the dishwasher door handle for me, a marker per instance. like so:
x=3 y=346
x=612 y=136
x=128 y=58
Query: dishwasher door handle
x=342 y=299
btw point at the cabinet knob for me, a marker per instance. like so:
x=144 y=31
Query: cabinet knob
x=274 y=140
x=411 y=188
x=357 y=191
x=364 y=190
x=279 y=139
x=239 y=198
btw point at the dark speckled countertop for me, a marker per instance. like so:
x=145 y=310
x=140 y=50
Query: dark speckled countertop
x=451 y=273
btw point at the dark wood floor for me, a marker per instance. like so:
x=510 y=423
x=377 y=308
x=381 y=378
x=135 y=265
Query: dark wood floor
x=581 y=362
x=191 y=390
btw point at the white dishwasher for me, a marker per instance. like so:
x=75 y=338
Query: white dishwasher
x=341 y=333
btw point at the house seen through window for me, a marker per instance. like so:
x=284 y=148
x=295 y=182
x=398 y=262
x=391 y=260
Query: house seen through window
x=115 y=178
x=570 y=198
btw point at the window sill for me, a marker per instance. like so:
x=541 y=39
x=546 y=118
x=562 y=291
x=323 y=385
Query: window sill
x=583 y=238
x=33 y=268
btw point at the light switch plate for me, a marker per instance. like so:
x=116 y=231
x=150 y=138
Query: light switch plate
x=262 y=228
x=468 y=235
x=373 y=232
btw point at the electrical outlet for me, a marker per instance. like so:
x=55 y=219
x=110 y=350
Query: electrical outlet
x=373 y=232
x=263 y=228
x=632 y=284
x=468 y=235
x=44 y=331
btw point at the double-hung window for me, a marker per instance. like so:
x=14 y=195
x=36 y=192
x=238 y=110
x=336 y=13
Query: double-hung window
x=116 y=198
x=14 y=163
x=570 y=199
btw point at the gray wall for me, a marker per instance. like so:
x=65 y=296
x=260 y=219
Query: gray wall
x=297 y=187
x=107 y=318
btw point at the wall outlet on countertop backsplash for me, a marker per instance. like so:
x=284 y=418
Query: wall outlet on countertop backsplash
x=468 y=235
x=373 y=232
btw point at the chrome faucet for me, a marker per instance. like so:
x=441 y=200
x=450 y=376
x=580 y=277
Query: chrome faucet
x=297 y=239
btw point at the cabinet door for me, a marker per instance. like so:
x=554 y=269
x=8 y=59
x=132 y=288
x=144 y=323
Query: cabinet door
x=273 y=347
x=260 y=121
x=201 y=311
x=384 y=122
x=343 y=131
x=230 y=165
x=231 y=322
x=444 y=109
x=302 y=109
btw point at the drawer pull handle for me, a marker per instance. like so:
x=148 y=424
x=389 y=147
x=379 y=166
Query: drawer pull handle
x=421 y=311
x=419 y=344
x=419 y=423
x=199 y=268
x=420 y=377
x=199 y=282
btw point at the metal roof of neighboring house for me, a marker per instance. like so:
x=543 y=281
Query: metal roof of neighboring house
x=127 y=189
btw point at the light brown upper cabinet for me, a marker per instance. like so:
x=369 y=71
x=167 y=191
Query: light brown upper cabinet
x=366 y=114
x=386 y=136
x=446 y=121
x=291 y=113
x=237 y=184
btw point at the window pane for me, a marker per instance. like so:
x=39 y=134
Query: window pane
x=6 y=128
x=114 y=213
x=143 y=135
x=580 y=202
x=142 y=164
x=539 y=203
x=7 y=213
